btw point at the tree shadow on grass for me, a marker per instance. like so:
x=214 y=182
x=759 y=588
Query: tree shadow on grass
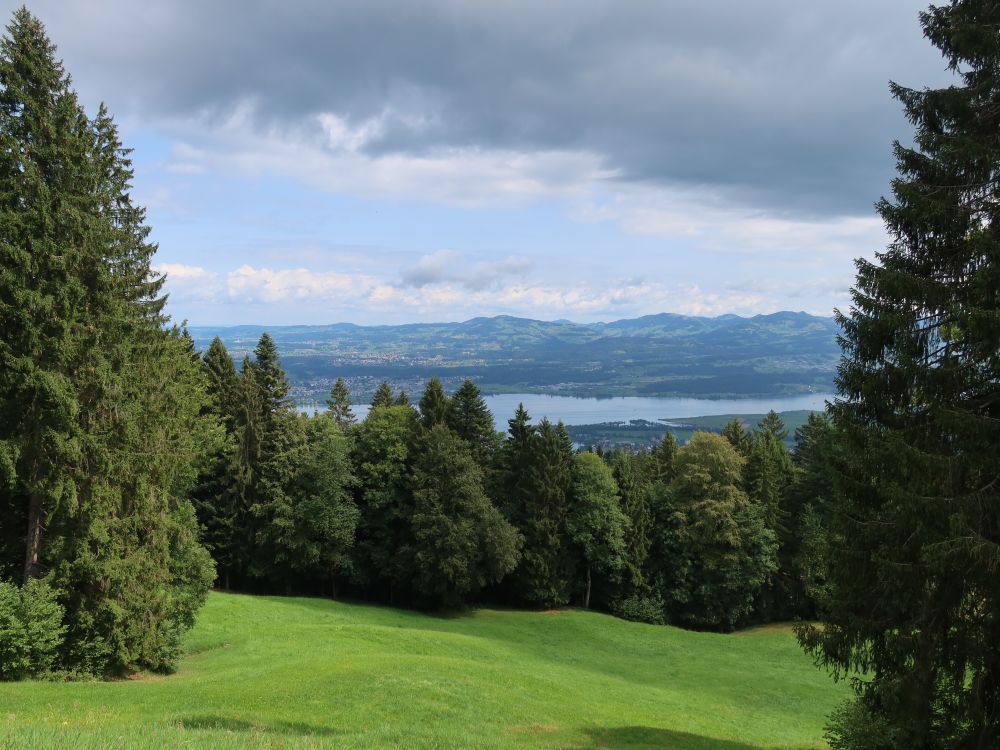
x=655 y=738
x=228 y=724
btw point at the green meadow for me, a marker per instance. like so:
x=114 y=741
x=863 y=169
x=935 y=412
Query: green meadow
x=271 y=672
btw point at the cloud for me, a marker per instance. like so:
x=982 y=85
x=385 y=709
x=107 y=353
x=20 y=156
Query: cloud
x=249 y=284
x=779 y=106
x=449 y=266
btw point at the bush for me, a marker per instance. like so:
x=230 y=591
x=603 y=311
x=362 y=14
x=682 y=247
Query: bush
x=31 y=629
x=638 y=608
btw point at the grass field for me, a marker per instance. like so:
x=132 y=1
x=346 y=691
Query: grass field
x=268 y=672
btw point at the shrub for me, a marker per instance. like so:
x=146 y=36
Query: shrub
x=31 y=629
x=639 y=608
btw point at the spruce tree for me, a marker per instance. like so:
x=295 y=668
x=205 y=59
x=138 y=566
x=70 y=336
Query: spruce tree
x=434 y=404
x=383 y=395
x=472 y=420
x=339 y=405
x=100 y=404
x=634 y=492
x=545 y=574
x=914 y=592
x=738 y=437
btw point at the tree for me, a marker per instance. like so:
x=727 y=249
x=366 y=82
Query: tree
x=100 y=403
x=713 y=551
x=339 y=405
x=662 y=458
x=434 y=404
x=545 y=573
x=458 y=542
x=596 y=524
x=912 y=574
x=634 y=492
x=472 y=420
x=380 y=455
x=279 y=442
x=383 y=395
x=738 y=437
x=324 y=514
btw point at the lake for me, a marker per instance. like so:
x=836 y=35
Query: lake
x=594 y=410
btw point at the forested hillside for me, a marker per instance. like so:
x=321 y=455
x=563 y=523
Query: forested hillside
x=657 y=355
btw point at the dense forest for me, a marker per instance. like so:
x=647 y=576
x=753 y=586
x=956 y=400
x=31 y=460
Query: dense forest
x=136 y=472
x=427 y=505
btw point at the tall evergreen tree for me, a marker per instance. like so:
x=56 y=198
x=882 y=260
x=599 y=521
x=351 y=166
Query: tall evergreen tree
x=472 y=420
x=545 y=574
x=914 y=592
x=383 y=395
x=738 y=437
x=100 y=404
x=339 y=405
x=634 y=491
x=434 y=404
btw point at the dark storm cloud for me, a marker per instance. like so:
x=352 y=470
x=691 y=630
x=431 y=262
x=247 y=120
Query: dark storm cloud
x=776 y=104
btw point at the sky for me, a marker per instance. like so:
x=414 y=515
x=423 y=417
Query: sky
x=394 y=161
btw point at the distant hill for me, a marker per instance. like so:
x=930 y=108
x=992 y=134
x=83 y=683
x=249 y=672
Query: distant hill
x=655 y=355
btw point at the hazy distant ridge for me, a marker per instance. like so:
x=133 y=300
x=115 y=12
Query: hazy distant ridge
x=664 y=354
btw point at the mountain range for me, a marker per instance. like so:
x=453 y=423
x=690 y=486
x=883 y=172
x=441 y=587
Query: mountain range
x=655 y=355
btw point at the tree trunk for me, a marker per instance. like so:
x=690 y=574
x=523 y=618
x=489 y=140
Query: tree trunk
x=33 y=541
x=586 y=599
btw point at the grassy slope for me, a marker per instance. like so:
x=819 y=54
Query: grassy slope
x=274 y=672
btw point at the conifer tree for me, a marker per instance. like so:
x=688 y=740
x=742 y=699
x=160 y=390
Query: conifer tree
x=402 y=399
x=634 y=493
x=383 y=395
x=914 y=593
x=738 y=437
x=662 y=460
x=339 y=405
x=544 y=576
x=472 y=420
x=434 y=404
x=100 y=405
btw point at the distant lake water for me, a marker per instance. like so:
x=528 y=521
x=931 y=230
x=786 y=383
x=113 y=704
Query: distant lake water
x=622 y=408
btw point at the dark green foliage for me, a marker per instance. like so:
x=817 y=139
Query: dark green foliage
x=472 y=420
x=380 y=455
x=31 y=629
x=402 y=399
x=913 y=585
x=457 y=540
x=660 y=466
x=635 y=500
x=101 y=406
x=277 y=438
x=713 y=551
x=324 y=515
x=595 y=524
x=541 y=504
x=383 y=395
x=738 y=437
x=640 y=608
x=339 y=405
x=434 y=404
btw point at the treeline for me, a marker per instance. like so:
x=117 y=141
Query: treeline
x=427 y=505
